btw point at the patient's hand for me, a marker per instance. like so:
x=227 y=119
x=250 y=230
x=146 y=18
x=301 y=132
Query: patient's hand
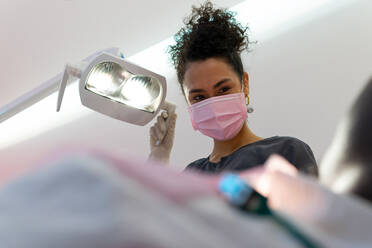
x=260 y=177
x=287 y=190
x=278 y=163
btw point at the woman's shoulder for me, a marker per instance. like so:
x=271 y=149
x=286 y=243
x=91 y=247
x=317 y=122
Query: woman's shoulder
x=283 y=139
x=293 y=149
x=293 y=143
x=298 y=153
x=197 y=164
x=277 y=143
x=285 y=144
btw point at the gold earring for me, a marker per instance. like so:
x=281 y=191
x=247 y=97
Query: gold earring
x=249 y=109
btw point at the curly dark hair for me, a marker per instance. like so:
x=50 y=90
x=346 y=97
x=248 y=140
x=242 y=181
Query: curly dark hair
x=209 y=32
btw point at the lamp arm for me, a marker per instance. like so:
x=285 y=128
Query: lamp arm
x=68 y=73
x=43 y=90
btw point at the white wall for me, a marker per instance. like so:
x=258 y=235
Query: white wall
x=304 y=80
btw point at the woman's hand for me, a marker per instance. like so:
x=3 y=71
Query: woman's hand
x=162 y=137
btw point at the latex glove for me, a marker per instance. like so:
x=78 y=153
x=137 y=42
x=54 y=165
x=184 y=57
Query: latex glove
x=162 y=137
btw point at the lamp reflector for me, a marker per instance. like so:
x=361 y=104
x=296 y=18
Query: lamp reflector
x=110 y=80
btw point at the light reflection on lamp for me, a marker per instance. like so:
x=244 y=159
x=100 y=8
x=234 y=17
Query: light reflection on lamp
x=142 y=92
x=110 y=80
x=120 y=89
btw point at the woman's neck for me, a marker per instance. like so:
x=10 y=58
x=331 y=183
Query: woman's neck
x=224 y=148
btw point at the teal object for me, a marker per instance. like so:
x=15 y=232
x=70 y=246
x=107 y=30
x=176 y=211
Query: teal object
x=234 y=189
x=243 y=196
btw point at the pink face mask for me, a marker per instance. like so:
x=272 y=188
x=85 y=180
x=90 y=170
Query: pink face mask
x=219 y=117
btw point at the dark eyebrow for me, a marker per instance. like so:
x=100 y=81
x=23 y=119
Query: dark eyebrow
x=215 y=86
x=221 y=82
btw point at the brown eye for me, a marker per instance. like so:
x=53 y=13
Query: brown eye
x=198 y=98
x=224 y=90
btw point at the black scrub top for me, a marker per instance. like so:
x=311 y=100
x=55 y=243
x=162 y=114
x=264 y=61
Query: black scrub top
x=294 y=150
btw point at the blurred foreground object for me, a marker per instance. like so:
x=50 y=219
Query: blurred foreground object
x=347 y=165
x=89 y=199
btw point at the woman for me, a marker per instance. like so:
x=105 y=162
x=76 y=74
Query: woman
x=207 y=59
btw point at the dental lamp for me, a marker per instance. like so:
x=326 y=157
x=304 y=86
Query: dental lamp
x=109 y=84
x=115 y=87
